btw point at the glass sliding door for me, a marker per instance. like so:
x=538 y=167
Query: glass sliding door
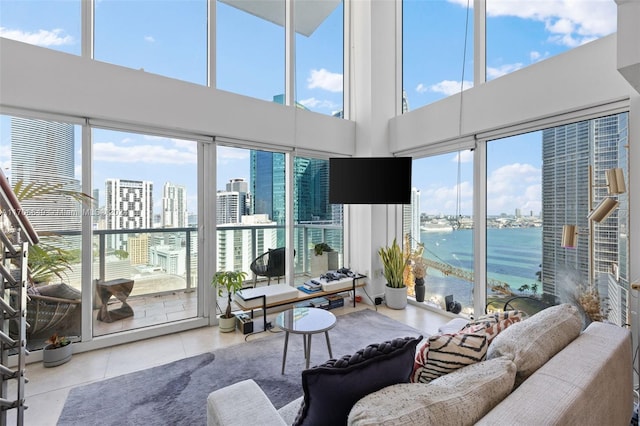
x=145 y=235
x=318 y=233
x=514 y=223
x=250 y=207
x=42 y=160
x=547 y=242
x=445 y=183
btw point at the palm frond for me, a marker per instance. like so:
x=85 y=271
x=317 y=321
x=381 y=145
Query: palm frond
x=36 y=190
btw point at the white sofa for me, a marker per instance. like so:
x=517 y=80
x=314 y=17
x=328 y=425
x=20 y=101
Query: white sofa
x=588 y=382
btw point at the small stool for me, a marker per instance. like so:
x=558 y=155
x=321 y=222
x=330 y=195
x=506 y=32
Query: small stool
x=120 y=288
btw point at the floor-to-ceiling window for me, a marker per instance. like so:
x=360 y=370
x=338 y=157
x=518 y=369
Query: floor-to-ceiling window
x=514 y=222
x=250 y=209
x=319 y=55
x=538 y=186
x=42 y=160
x=145 y=235
x=438 y=40
x=318 y=233
x=250 y=48
x=445 y=183
x=165 y=37
x=54 y=24
x=523 y=33
x=437 y=50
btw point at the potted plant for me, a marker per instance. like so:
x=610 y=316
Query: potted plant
x=57 y=352
x=418 y=268
x=324 y=259
x=419 y=272
x=394 y=262
x=231 y=282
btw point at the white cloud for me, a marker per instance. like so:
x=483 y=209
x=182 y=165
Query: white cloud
x=156 y=154
x=318 y=103
x=446 y=87
x=514 y=186
x=42 y=38
x=326 y=80
x=421 y=88
x=569 y=22
x=536 y=56
x=149 y=39
x=226 y=153
x=493 y=72
x=466 y=156
x=442 y=199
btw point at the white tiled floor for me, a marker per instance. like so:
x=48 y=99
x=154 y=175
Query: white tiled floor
x=48 y=388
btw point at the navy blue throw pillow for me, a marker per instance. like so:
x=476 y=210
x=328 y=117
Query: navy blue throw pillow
x=331 y=389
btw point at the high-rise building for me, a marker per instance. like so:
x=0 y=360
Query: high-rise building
x=233 y=203
x=228 y=207
x=411 y=218
x=128 y=205
x=174 y=206
x=43 y=152
x=138 y=249
x=267 y=184
x=570 y=153
x=238 y=185
x=232 y=242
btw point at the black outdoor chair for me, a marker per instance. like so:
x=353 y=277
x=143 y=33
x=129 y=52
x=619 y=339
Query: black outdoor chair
x=269 y=264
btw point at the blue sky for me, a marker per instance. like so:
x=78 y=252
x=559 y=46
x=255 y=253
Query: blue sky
x=168 y=38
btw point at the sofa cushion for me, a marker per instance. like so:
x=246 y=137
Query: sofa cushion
x=589 y=382
x=459 y=398
x=61 y=291
x=534 y=341
x=444 y=353
x=494 y=323
x=331 y=389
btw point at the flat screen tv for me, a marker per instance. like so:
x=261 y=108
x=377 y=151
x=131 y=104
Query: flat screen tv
x=370 y=180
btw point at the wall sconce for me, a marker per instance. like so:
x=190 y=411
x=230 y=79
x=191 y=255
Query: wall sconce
x=569 y=236
x=615 y=181
x=603 y=209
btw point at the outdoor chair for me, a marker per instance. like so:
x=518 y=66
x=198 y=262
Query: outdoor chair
x=53 y=308
x=269 y=264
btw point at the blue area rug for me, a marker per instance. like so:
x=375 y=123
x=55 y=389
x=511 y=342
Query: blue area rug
x=176 y=393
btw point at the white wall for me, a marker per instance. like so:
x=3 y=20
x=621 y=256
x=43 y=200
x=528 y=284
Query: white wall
x=40 y=79
x=582 y=77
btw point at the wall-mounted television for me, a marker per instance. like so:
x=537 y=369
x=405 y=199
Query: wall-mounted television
x=370 y=180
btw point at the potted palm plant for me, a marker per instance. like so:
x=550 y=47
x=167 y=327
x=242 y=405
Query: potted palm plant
x=57 y=352
x=394 y=262
x=231 y=282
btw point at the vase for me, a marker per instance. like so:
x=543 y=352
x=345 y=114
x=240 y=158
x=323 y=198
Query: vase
x=52 y=357
x=395 y=298
x=419 y=289
x=227 y=325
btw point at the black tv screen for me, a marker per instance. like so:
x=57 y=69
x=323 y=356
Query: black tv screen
x=372 y=180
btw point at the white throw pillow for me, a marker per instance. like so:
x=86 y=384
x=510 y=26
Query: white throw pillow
x=461 y=397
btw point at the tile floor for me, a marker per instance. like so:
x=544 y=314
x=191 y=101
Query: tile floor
x=48 y=388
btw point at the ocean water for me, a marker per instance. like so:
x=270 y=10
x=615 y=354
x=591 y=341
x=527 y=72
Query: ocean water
x=514 y=256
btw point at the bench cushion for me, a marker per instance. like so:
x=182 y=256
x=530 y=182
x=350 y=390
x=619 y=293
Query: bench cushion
x=275 y=293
